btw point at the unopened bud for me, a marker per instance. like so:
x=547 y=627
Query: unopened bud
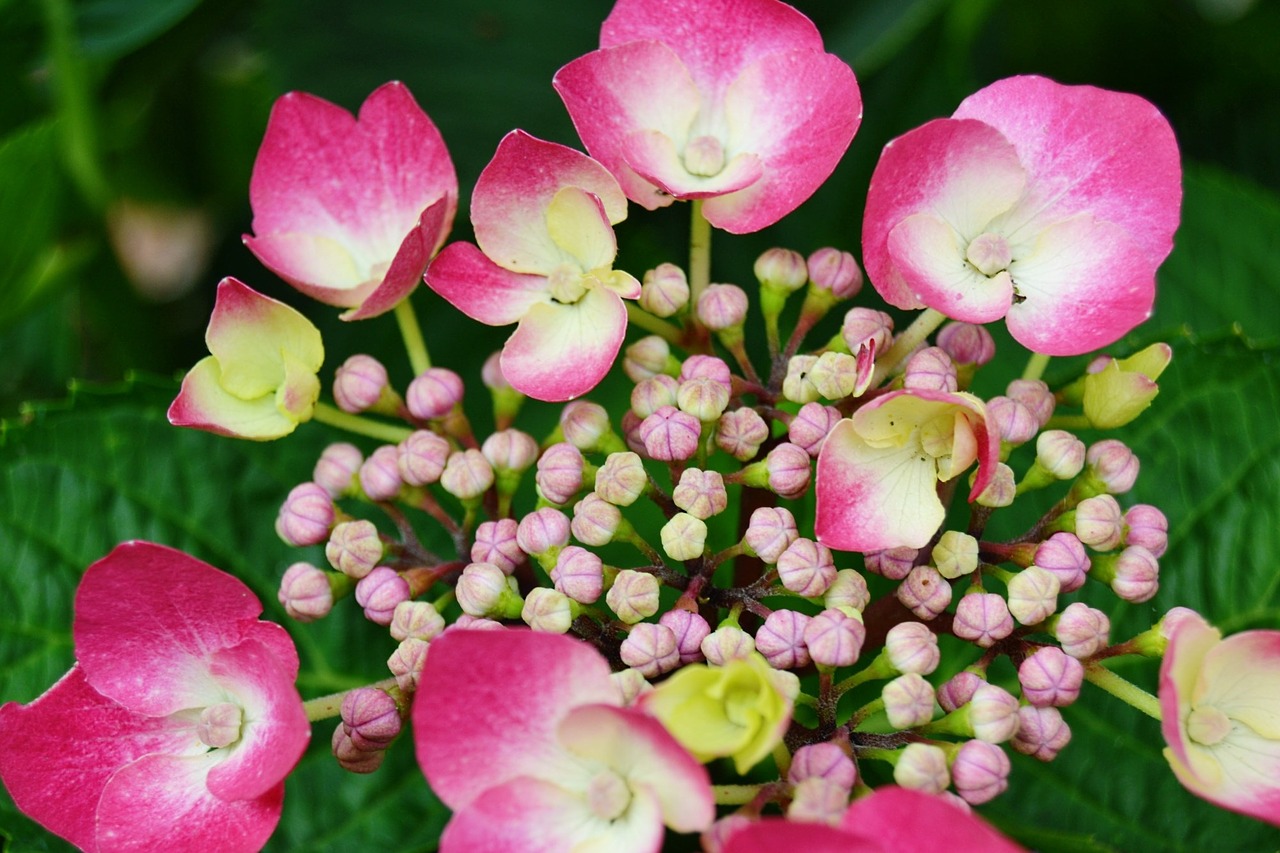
x=1134 y=573
x=406 y=663
x=834 y=638
x=701 y=493
x=1002 y=489
x=811 y=425
x=781 y=639
x=422 y=457
x=726 y=643
x=350 y=757
x=980 y=771
x=595 y=520
x=835 y=271
x=336 y=468
x=380 y=474
x=306 y=516
x=740 y=433
x=837 y=375
x=1033 y=595
x=371 y=717
x=483 y=590
x=684 y=537
x=722 y=306
x=305 y=592
x=993 y=713
x=433 y=394
x=560 y=473
x=967 y=343
x=510 y=450
x=379 y=592
x=797 y=386
x=922 y=767
x=806 y=568
x=867 y=327
x=1148 y=528
x=497 y=543
x=664 y=291
x=815 y=800
x=1035 y=395
x=982 y=618
x=622 y=479
x=654 y=393
x=849 y=589
x=1082 y=630
x=823 y=761
x=579 y=574
x=418 y=620
x=770 y=531
x=646 y=357
x=1099 y=523
x=704 y=398
x=1113 y=465
x=1064 y=556
x=467 y=475
x=781 y=269
x=358 y=383
x=924 y=592
x=354 y=548
x=1042 y=733
x=670 y=435
x=585 y=425
x=930 y=369
x=1015 y=423
x=1051 y=677
x=543 y=532
x=955 y=555
x=958 y=690
x=707 y=367
x=908 y=701
x=651 y=649
x=912 y=647
x=634 y=596
x=690 y=630
x=892 y=563
x=547 y=610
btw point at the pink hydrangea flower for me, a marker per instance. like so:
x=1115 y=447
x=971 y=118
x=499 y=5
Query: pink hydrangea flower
x=523 y=736
x=1048 y=205
x=878 y=471
x=1220 y=713
x=543 y=217
x=730 y=101
x=178 y=723
x=349 y=210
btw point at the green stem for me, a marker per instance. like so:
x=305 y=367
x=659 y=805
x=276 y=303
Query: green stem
x=735 y=795
x=325 y=707
x=412 y=334
x=1035 y=366
x=911 y=337
x=1124 y=690
x=1069 y=422
x=699 y=252
x=335 y=417
x=637 y=316
x=74 y=104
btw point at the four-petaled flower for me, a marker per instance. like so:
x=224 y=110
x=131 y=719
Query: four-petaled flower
x=178 y=723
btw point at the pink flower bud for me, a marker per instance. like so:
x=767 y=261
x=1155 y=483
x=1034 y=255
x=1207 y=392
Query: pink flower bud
x=406 y=663
x=305 y=592
x=1033 y=595
x=670 y=435
x=912 y=647
x=622 y=479
x=579 y=574
x=1051 y=677
x=467 y=622
x=815 y=800
x=770 y=531
x=809 y=428
x=782 y=269
x=701 y=493
x=433 y=394
x=1064 y=556
x=491 y=374
x=646 y=357
x=631 y=431
x=560 y=473
x=726 y=643
x=892 y=563
x=797 y=385
x=866 y=326
x=1082 y=630
x=595 y=520
x=379 y=592
x=351 y=758
x=684 y=537
x=924 y=592
x=958 y=690
x=547 y=610
x=967 y=343
x=1001 y=490
x=1148 y=528
x=980 y=772
x=689 y=629
x=982 y=618
x=836 y=375
x=849 y=589
x=359 y=383
x=422 y=457
x=1042 y=733
x=1100 y=522
x=1135 y=574
x=1013 y=420
x=584 y=424
x=740 y=433
x=651 y=649
x=354 y=548
x=704 y=398
x=543 y=531
x=993 y=713
x=922 y=767
x=781 y=639
x=631 y=685
x=305 y=516
x=789 y=470
x=1113 y=464
x=481 y=589
x=510 y=450
x=908 y=701
x=654 y=393
x=418 y=620
x=715 y=839
x=634 y=596
x=823 y=761
x=722 y=306
x=836 y=271
x=336 y=468
x=930 y=369
x=1060 y=453
x=1035 y=395
x=665 y=290
x=955 y=555
x=835 y=638
x=467 y=474
x=806 y=568
x=706 y=367
x=496 y=543
x=371 y=718
x=380 y=474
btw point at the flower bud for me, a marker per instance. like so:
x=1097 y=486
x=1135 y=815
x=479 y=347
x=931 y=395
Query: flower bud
x=866 y=326
x=467 y=622
x=380 y=474
x=654 y=393
x=707 y=367
x=336 y=468
x=797 y=386
x=305 y=516
x=722 y=306
x=497 y=543
x=1015 y=423
x=980 y=771
x=892 y=563
x=1100 y=523
x=1059 y=454
x=670 y=435
x=354 y=548
x=816 y=800
x=543 y=531
x=1042 y=733
x=924 y=592
x=740 y=433
x=1082 y=630
x=704 y=398
x=781 y=269
x=421 y=457
x=806 y=568
x=849 y=589
x=967 y=343
x=912 y=647
x=585 y=425
x=770 y=531
x=789 y=470
x=982 y=618
x=579 y=574
x=631 y=685
x=467 y=475
x=715 y=839
x=1147 y=528
x=955 y=555
x=482 y=590
x=834 y=638
x=510 y=450
x=922 y=767
x=690 y=630
x=837 y=375
x=684 y=537
x=1051 y=677
x=371 y=718
x=664 y=291
x=560 y=473
x=809 y=428
x=701 y=493
x=351 y=758
x=726 y=643
x=622 y=479
x=305 y=592
x=651 y=649
x=1001 y=490
x=1064 y=556
x=823 y=761
x=930 y=369
x=634 y=596
x=1035 y=395
x=646 y=357
x=1033 y=595
x=547 y=610
x=1116 y=392
x=379 y=592
x=836 y=271
x=993 y=713
x=781 y=639
x=406 y=664
x=908 y=701
x=433 y=394
x=958 y=690
x=418 y=620
x=595 y=520
x=358 y=383
x=1113 y=465
x=491 y=373
x=1134 y=573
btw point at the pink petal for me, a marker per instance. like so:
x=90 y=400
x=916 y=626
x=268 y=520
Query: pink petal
x=509 y=205
x=929 y=259
x=1190 y=639
x=202 y=403
x=148 y=619
x=60 y=750
x=653 y=156
x=559 y=352
x=490 y=704
x=772 y=835
x=481 y=289
x=410 y=261
x=907 y=821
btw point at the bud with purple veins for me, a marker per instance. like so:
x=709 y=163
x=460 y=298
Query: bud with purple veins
x=1050 y=677
x=922 y=767
x=1148 y=528
x=689 y=629
x=816 y=800
x=510 y=450
x=336 y=468
x=1134 y=573
x=354 y=548
x=634 y=595
x=781 y=639
x=959 y=689
x=924 y=592
x=306 y=516
x=418 y=620
x=1035 y=395
x=664 y=291
x=406 y=663
x=595 y=520
x=654 y=393
x=834 y=638
x=483 y=590
x=908 y=701
x=351 y=758
x=1082 y=630
x=433 y=393
x=704 y=398
x=359 y=383
x=579 y=574
x=548 y=611
x=740 y=432
x=496 y=542
x=651 y=649
x=1098 y=522
x=380 y=474
x=1063 y=554
x=543 y=532
x=379 y=592
x=930 y=369
x=684 y=537
x=701 y=493
x=586 y=426
x=849 y=589
x=467 y=475
x=982 y=618
x=1033 y=595
x=836 y=375
x=781 y=270
x=1002 y=489
x=823 y=761
x=967 y=344
x=770 y=531
x=993 y=714
x=644 y=358
x=726 y=643
x=722 y=307
x=670 y=435
x=560 y=473
x=1042 y=733
x=305 y=592
x=806 y=568
x=707 y=367
x=980 y=771
x=866 y=326
x=912 y=647
x=371 y=718
x=631 y=685
x=892 y=563
x=1059 y=456
x=834 y=271
x=810 y=426
x=955 y=555
x=1015 y=423
x=788 y=471
x=1113 y=467
x=422 y=457
x=622 y=478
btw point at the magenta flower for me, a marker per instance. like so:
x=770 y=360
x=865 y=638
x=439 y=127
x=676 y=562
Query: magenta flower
x=350 y=210
x=1048 y=205
x=731 y=101
x=178 y=723
x=523 y=736
x=1220 y=713
x=543 y=217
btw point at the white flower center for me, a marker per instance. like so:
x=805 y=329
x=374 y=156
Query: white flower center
x=568 y=284
x=1207 y=725
x=608 y=795
x=704 y=156
x=219 y=725
x=989 y=253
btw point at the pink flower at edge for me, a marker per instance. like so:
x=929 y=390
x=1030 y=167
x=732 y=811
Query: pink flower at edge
x=1045 y=204
x=523 y=736
x=731 y=101
x=350 y=210
x=543 y=216
x=178 y=723
x=1220 y=713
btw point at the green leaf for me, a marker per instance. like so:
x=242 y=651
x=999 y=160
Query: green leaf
x=112 y=28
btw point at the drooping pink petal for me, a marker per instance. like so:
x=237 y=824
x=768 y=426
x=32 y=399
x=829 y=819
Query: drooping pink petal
x=490 y=705
x=559 y=352
x=907 y=821
x=929 y=259
x=202 y=403
x=771 y=835
x=60 y=750
x=249 y=333
x=481 y=289
x=410 y=262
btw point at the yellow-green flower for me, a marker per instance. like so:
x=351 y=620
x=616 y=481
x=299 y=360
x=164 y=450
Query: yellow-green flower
x=1124 y=388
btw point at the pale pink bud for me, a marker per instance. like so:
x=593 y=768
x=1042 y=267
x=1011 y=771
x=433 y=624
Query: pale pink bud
x=912 y=647
x=560 y=473
x=980 y=772
x=835 y=638
x=1136 y=574
x=584 y=424
x=379 y=592
x=579 y=574
x=722 y=306
x=634 y=596
x=350 y=757
x=622 y=479
x=651 y=649
x=836 y=271
x=467 y=474
x=726 y=643
x=684 y=537
x=689 y=629
x=993 y=713
x=422 y=457
x=418 y=620
x=1148 y=528
x=547 y=610
x=496 y=543
x=908 y=701
x=823 y=761
x=510 y=450
x=815 y=800
x=1051 y=677
x=1100 y=522
x=467 y=622
x=664 y=291
x=716 y=838
x=797 y=386
x=922 y=767
x=706 y=367
x=701 y=493
x=631 y=431
x=646 y=357
x=930 y=369
x=1002 y=489
x=543 y=531
x=781 y=639
x=380 y=474
x=670 y=435
x=770 y=531
x=359 y=383
x=336 y=468
x=866 y=326
x=892 y=563
x=836 y=375
x=809 y=428
x=595 y=520
x=631 y=685
x=782 y=269
x=481 y=588
x=491 y=373
x=1064 y=556
x=1035 y=395
x=955 y=555
x=967 y=343
x=354 y=548
x=1015 y=423
x=789 y=470
x=703 y=398
x=406 y=663
x=654 y=393
x=1113 y=464
x=1060 y=453
x=1033 y=595
x=849 y=589
x=924 y=592
x=305 y=516
x=958 y=690
x=982 y=618
x=305 y=592
x=806 y=568
x=1082 y=630
x=371 y=718
x=1042 y=733
x=434 y=393
x=740 y=433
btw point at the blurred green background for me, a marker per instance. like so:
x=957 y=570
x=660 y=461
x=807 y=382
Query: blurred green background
x=127 y=133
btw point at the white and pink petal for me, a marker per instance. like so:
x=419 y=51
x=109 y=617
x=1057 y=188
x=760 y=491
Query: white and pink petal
x=559 y=352
x=481 y=289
